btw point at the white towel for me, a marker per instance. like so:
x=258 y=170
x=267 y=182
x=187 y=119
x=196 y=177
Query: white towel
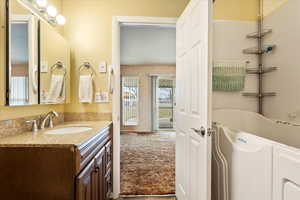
x=85 y=89
x=57 y=90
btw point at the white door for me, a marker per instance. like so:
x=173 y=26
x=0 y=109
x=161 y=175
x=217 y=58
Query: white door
x=193 y=143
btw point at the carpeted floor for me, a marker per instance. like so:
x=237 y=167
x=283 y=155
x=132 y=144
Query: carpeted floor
x=148 y=163
x=149 y=198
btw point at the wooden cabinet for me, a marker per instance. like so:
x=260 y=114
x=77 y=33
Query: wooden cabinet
x=85 y=183
x=108 y=183
x=64 y=172
x=100 y=174
x=108 y=148
x=95 y=180
x=108 y=171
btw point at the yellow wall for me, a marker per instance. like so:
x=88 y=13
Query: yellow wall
x=271 y=5
x=244 y=10
x=15 y=112
x=89 y=31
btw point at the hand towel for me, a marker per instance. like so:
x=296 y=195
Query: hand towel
x=229 y=77
x=57 y=90
x=85 y=89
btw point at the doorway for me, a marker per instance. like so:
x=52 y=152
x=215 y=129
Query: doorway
x=130 y=95
x=147 y=154
x=193 y=112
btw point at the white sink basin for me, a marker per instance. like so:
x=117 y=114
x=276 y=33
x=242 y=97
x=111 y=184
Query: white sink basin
x=68 y=130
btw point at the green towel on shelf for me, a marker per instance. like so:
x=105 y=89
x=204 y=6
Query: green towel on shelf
x=229 y=77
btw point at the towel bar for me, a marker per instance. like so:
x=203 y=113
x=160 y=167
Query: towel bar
x=87 y=65
x=58 y=65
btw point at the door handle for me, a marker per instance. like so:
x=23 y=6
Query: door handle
x=200 y=131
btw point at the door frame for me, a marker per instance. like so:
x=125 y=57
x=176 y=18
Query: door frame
x=117 y=21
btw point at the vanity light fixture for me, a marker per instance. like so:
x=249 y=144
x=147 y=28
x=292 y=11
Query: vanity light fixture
x=45 y=11
x=51 y=11
x=42 y=4
x=60 y=19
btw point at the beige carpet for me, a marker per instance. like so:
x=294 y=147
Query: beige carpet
x=149 y=198
x=148 y=163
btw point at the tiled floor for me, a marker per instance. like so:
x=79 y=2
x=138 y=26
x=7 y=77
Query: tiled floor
x=148 y=163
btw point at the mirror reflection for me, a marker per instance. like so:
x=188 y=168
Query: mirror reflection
x=55 y=66
x=23 y=58
x=38 y=68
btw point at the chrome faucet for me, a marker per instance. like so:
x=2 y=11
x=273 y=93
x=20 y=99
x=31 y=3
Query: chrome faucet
x=34 y=125
x=49 y=116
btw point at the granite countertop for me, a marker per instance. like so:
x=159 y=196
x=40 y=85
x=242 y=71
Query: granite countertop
x=33 y=139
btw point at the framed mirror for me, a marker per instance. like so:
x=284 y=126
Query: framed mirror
x=22 y=56
x=55 y=66
x=38 y=58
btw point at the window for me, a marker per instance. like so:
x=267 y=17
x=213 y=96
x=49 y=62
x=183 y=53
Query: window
x=130 y=100
x=165 y=101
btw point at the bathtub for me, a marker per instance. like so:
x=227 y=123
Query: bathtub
x=254 y=158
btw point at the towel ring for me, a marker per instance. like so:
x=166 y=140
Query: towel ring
x=88 y=66
x=58 y=65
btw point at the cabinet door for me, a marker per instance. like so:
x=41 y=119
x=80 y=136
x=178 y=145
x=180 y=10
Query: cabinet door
x=108 y=171
x=108 y=184
x=100 y=174
x=85 y=183
x=109 y=154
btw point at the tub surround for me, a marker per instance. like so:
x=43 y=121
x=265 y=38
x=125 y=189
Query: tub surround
x=237 y=152
x=268 y=152
x=231 y=35
x=258 y=125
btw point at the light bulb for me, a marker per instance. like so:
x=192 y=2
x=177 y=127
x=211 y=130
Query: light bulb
x=61 y=20
x=41 y=3
x=52 y=11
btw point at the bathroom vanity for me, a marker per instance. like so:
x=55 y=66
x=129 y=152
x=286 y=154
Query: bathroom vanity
x=52 y=165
